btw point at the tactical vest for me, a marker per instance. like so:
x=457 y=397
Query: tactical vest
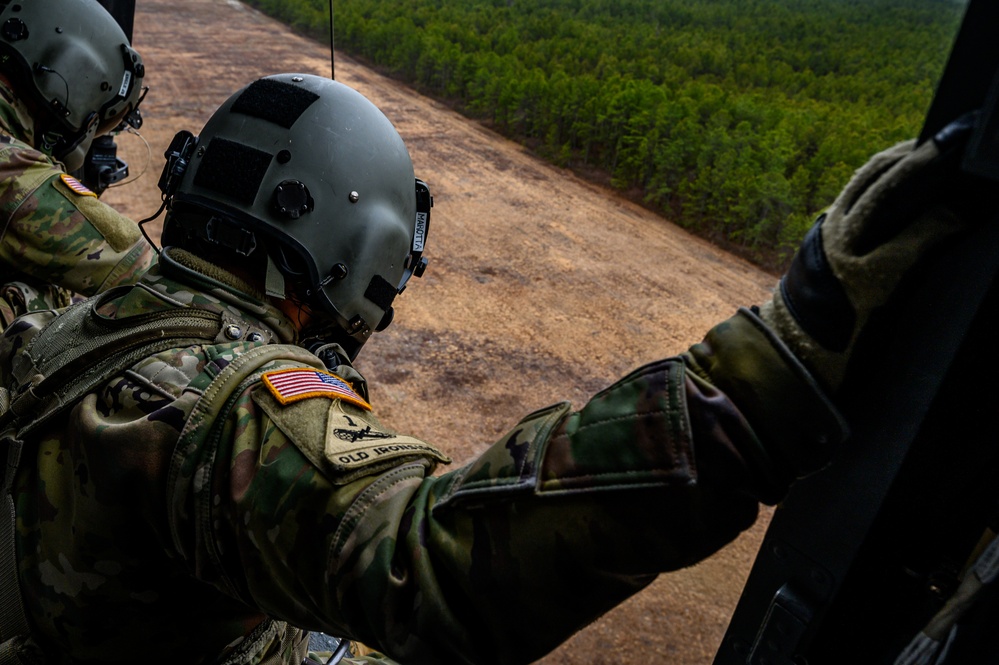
x=73 y=354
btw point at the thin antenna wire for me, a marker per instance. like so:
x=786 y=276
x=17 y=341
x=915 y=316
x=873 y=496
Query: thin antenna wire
x=332 y=57
x=149 y=158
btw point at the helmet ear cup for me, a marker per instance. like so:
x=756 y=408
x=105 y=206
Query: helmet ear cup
x=178 y=156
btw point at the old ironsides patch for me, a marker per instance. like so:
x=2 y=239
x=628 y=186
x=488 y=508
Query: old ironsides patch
x=342 y=439
x=352 y=441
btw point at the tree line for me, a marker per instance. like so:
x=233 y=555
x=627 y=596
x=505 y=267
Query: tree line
x=737 y=119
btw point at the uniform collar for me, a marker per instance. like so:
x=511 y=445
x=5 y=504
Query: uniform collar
x=181 y=278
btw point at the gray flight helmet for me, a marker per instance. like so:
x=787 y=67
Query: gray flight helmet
x=78 y=67
x=309 y=172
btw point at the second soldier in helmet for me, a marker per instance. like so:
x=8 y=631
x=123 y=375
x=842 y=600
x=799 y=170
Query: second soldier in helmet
x=67 y=75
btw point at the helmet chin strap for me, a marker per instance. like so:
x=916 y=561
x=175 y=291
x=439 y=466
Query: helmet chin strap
x=75 y=158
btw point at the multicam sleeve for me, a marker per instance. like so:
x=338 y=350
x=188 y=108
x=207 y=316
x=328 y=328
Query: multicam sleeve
x=56 y=231
x=564 y=517
x=17 y=298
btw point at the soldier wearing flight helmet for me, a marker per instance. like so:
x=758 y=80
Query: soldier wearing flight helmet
x=67 y=75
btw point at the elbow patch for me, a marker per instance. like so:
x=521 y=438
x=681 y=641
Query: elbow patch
x=511 y=465
x=634 y=434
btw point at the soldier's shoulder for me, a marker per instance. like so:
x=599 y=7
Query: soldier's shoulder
x=18 y=158
x=23 y=171
x=212 y=370
x=328 y=420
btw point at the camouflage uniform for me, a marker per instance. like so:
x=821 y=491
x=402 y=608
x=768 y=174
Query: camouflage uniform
x=190 y=511
x=56 y=237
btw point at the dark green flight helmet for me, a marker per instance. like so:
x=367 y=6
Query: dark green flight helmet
x=308 y=172
x=78 y=67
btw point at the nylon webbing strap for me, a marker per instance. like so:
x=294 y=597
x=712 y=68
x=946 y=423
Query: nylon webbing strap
x=65 y=363
x=12 y=619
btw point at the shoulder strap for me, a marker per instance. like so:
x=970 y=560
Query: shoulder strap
x=69 y=357
x=82 y=348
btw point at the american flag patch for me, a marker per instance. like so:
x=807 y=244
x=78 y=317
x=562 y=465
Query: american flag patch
x=290 y=385
x=76 y=185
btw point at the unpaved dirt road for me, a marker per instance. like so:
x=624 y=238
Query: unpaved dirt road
x=541 y=287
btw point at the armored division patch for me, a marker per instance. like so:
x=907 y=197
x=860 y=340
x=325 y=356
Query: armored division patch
x=291 y=385
x=76 y=185
x=343 y=440
x=353 y=442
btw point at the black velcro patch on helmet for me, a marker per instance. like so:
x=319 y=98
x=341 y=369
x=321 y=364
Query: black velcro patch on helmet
x=380 y=292
x=274 y=101
x=233 y=169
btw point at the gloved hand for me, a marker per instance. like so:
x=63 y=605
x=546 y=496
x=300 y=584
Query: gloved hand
x=894 y=211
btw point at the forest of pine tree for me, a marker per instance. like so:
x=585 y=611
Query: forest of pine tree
x=737 y=119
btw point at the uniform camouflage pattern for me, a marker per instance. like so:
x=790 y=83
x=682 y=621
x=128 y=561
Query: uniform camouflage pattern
x=173 y=510
x=51 y=235
x=17 y=298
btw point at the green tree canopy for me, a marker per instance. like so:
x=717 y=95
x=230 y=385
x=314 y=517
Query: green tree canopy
x=738 y=119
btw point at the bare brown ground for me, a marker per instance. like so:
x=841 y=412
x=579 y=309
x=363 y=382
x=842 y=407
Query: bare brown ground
x=541 y=287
